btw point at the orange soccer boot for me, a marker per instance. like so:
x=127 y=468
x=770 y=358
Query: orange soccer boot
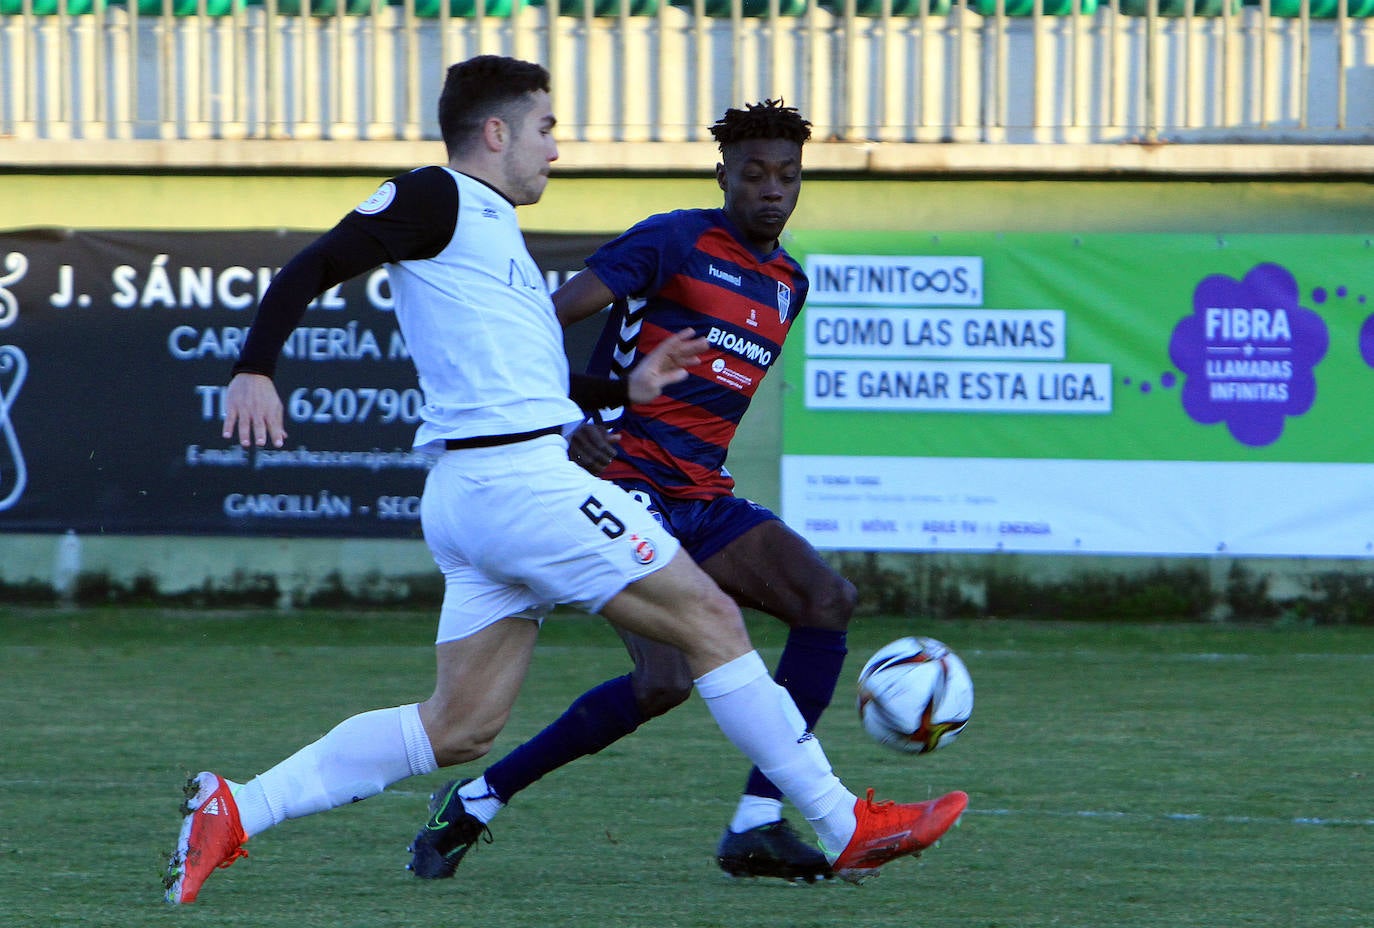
x=888 y=830
x=211 y=837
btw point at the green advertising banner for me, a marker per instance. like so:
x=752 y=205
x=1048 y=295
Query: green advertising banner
x=1118 y=394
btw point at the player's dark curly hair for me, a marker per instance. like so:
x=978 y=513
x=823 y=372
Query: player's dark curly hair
x=481 y=87
x=770 y=119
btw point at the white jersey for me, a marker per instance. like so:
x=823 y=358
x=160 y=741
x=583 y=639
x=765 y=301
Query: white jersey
x=481 y=329
x=516 y=527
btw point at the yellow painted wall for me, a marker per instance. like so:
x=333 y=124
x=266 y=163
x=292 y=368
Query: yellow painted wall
x=579 y=203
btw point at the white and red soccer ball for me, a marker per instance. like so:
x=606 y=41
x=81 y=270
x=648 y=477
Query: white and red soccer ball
x=915 y=695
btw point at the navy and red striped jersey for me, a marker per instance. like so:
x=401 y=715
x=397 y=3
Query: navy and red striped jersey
x=692 y=268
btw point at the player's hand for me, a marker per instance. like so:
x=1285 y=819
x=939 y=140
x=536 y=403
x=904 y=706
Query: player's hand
x=666 y=364
x=592 y=447
x=253 y=411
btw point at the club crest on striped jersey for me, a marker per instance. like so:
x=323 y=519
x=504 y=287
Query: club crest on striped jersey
x=784 y=301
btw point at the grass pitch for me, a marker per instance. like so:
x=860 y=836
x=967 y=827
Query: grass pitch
x=1120 y=775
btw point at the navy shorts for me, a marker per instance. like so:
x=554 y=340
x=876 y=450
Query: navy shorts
x=703 y=526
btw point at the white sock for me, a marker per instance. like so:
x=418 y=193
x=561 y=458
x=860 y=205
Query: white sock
x=754 y=811
x=359 y=758
x=760 y=718
x=479 y=801
x=254 y=813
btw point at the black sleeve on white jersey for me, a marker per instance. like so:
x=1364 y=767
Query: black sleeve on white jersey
x=417 y=223
x=591 y=393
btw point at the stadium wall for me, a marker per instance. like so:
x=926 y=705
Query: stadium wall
x=1036 y=196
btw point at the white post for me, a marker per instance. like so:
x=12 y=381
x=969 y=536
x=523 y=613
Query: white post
x=66 y=567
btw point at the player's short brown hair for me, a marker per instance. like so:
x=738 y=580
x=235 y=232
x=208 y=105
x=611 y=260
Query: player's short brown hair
x=482 y=87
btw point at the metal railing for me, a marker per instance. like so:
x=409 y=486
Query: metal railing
x=635 y=70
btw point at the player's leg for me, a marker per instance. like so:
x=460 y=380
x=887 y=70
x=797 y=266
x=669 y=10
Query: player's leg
x=661 y=680
x=477 y=685
x=595 y=546
x=477 y=680
x=681 y=606
x=360 y=756
x=482 y=653
x=580 y=549
x=772 y=568
x=598 y=718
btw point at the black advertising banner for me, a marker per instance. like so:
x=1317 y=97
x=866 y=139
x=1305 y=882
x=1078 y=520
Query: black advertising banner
x=115 y=348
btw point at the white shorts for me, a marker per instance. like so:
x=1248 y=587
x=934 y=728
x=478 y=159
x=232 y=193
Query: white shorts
x=517 y=529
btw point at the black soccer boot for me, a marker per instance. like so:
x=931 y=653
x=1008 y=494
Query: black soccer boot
x=448 y=835
x=774 y=850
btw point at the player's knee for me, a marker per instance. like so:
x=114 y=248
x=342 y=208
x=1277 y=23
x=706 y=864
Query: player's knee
x=460 y=747
x=720 y=633
x=843 y=598
x=456 y=739
x=661 y=687
x=722 y=617
x=829 y=603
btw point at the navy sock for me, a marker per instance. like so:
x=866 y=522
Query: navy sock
x=599 y=717
x=808 y=669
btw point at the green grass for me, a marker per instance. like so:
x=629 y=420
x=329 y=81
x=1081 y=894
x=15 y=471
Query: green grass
x=1121 y=775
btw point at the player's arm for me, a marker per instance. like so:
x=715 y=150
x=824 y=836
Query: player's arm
x=635 y=263
x=415 y=220
x=253 y=409
x=593 y=446
x=666 y=364
x=582 y=296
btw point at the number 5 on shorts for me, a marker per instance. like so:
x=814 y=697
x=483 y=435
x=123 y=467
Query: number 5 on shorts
x=610 y=526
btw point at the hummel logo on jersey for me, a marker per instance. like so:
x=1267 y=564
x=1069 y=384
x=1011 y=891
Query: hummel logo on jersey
x=212 y=807
x=716 y=272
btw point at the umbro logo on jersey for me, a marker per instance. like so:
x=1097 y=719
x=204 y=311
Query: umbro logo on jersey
x=490 y=213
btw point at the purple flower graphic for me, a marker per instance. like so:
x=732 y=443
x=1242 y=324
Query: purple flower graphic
x=1367 y=341
x=1248 y=353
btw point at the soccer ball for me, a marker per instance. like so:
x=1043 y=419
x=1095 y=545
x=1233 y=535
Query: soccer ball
x=915 y=695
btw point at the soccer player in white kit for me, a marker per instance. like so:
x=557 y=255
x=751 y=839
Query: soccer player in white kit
x=514 y=525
